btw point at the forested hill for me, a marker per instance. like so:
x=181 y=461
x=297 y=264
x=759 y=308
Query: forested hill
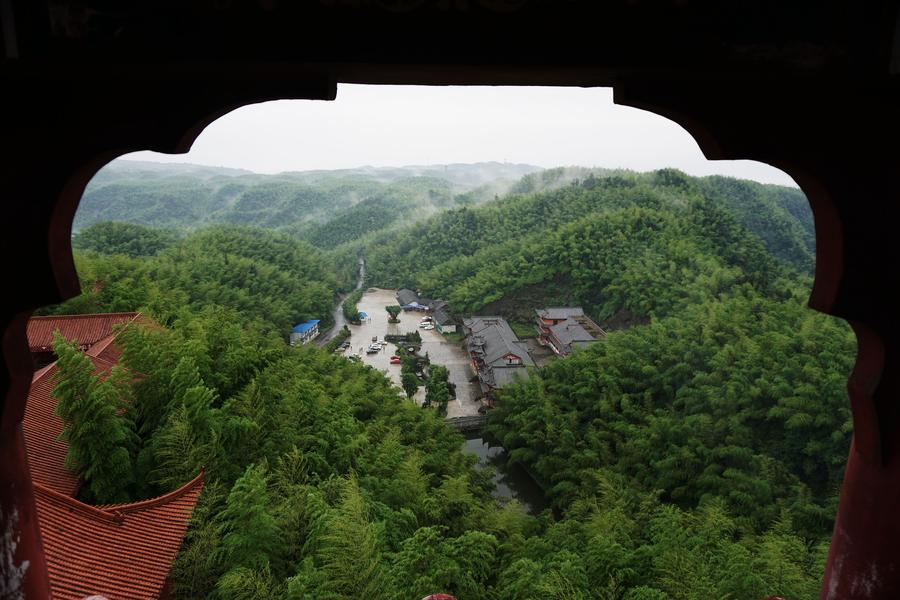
x=262 y=276
x=189 y=196
x=697 y=454
x=647 y=244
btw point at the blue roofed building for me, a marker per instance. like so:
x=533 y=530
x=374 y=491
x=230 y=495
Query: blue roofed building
x=304 y=332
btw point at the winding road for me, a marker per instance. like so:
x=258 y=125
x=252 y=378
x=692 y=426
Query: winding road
x=339 y=320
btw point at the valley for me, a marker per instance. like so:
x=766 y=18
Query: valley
x=636 y=342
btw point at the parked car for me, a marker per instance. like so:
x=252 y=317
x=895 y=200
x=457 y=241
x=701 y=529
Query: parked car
x=395 y=360
x=374 y=338
x=373 y=350
x=428 y=327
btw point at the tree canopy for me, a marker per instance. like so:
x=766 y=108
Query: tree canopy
x=696 y=452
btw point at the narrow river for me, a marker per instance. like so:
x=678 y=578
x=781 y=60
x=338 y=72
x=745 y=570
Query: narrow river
x=511 y=479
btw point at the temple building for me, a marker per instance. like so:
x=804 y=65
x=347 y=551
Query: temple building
x=443 y=320
x=112 y=551
x=86 y=330
x=498 y=356
x=567 y=328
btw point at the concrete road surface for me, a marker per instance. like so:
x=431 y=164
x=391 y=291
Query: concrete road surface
x=439 y=350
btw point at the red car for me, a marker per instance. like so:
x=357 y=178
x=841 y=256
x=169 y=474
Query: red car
x=395 y=360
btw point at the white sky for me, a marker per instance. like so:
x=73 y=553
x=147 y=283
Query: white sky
x=417 y=125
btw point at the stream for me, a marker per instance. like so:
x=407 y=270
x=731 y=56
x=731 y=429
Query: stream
x=511 y=479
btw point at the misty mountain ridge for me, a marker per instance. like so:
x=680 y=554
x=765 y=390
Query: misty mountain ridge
x=463 y=174
x=184 y=196
x=334 y=208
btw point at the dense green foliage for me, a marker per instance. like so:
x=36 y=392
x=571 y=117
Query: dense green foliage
x=342 y=336
x=351 y=312
x=437 y=388
x=779 y=216
x=326 y=208
x=97 y=425
x=261 y=274
x=733 y=395
x=123 y=238
x=323 y=483
x=649 y=245
x=741 y=399
x=698 y=455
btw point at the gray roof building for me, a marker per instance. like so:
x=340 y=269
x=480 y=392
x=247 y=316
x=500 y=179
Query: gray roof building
x=406 y=296
x=560 y=313
x=497 y=353
x=442 y=317
x=440 y=309
x=566 y=328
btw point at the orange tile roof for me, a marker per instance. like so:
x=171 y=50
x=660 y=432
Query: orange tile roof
x=86 y=329
x=106 y=349
x=119 y=551
x=45 y=451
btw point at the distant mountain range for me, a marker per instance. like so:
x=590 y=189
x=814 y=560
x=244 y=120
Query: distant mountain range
x=355 y=206
x=462 y=174
x=186 y=196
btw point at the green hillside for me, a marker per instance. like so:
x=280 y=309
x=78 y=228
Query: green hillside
x=262 y=275
x=186 y=197
x=696 y=453
x=649 y=244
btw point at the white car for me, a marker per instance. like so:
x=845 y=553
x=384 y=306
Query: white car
x=428 y=327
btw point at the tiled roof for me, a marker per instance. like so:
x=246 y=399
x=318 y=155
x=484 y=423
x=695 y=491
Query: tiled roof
x=407 y=296
x=46 y=452
x=503 y=376
x=120 y=551
x=86 y=329
x=442 y=317
x=497 y=339
x=561 y=312
x=106 y=349
x=571 y=331
x=491 y=339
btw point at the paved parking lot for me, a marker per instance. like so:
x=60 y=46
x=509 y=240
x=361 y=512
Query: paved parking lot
x=440 y=352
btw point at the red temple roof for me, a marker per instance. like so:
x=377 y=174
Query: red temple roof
x=86 y=329
x=106 y=349
x=119 y=551
x=42 y=427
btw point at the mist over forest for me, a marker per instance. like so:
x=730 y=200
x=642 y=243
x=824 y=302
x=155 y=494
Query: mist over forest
x=695 y=451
